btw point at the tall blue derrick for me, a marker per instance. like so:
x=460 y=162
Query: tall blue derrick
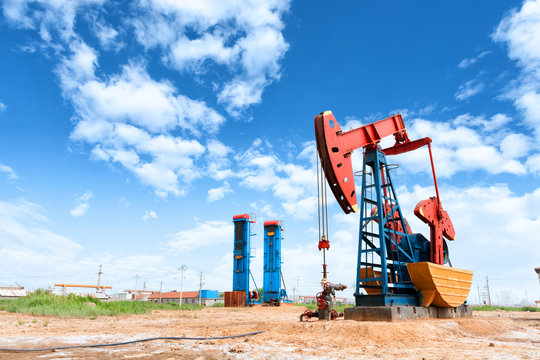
x=272 y=263
x=241 y=254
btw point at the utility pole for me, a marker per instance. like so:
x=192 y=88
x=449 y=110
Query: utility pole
x=98 y=279
x=160 y=287
x=182 y=268
x=200 y=288
x=297 y=287
x=136 y=282
x=487 y=286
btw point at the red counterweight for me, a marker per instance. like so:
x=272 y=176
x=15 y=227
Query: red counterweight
x=431 y=212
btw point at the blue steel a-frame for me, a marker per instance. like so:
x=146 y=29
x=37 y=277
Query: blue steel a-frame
x=385 y=244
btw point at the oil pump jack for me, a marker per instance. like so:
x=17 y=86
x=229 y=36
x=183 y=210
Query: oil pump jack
x=395 y=267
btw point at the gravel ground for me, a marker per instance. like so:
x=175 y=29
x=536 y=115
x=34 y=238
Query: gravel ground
x=488 y=335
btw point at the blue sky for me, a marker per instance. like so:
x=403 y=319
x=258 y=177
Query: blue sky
x=131 y=132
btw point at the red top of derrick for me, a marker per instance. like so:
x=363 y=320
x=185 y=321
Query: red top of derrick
x=272 y=222
x=241 y=216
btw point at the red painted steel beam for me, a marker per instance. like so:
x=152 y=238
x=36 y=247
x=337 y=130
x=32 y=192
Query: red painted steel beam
x=335 y=147
x=407 y=146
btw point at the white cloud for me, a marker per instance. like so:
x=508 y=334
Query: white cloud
x=516 y=145
x=8 y=171
x=145 y=124
x=519 y=30
x=81 y=204
x=2 y=106
x=496 y=122
x=243 y=36
x=458 y=148
x=465 y=63
x=302 y=209
x=22 y=229
x=128 y=119
x=209 y=233
x=491 y=223
x=218 y=193
x=468 y=89
x=108 y=36
x=533 y=162
x=50 y=18
x=37 y=257
x=149 y=214
x=263 y=209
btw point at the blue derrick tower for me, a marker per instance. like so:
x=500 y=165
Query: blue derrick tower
x=272 y=263
x=241 y=254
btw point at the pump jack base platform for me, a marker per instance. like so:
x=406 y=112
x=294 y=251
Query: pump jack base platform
x=399 y=313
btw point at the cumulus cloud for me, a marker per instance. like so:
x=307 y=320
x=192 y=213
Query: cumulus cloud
x=245 y=37
x=145 y=124
x=129 y=119
x=458 y=148
x=2 y=106
x=81 y=204
x=489 y=220
x=218 y=193
x=8 y=172
x=51 y=19
x=519 y=30
x=209 y=233
x=495 y=122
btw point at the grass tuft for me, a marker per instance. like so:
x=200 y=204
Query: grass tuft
x=42 y=302
x=505 y=308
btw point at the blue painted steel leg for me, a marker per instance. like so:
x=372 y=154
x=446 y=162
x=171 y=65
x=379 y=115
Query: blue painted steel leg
x=272 y=262
x=241 y=253
x=384 y=246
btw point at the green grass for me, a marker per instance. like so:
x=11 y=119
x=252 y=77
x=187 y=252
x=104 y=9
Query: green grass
x=491 y=308
x=42 y=302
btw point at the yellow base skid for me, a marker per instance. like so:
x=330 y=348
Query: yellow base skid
x=440 y=285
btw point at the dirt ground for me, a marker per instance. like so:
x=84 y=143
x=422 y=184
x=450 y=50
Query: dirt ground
x=488 y=335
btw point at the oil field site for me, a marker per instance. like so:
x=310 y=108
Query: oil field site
x=489 y=335
x=271 y=179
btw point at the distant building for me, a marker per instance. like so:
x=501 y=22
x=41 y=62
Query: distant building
x=208 y=297
x=11 y=292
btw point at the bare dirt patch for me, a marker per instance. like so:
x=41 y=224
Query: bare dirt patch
x=488 y=335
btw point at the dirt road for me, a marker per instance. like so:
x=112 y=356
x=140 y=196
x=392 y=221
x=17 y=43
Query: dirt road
x=488 y=335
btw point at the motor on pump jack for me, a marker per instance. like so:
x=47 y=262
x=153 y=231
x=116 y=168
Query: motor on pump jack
x=395 y=266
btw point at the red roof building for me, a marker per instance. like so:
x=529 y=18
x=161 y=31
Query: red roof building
x=188 y=297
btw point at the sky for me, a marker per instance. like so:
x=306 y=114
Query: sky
x=131 y=132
